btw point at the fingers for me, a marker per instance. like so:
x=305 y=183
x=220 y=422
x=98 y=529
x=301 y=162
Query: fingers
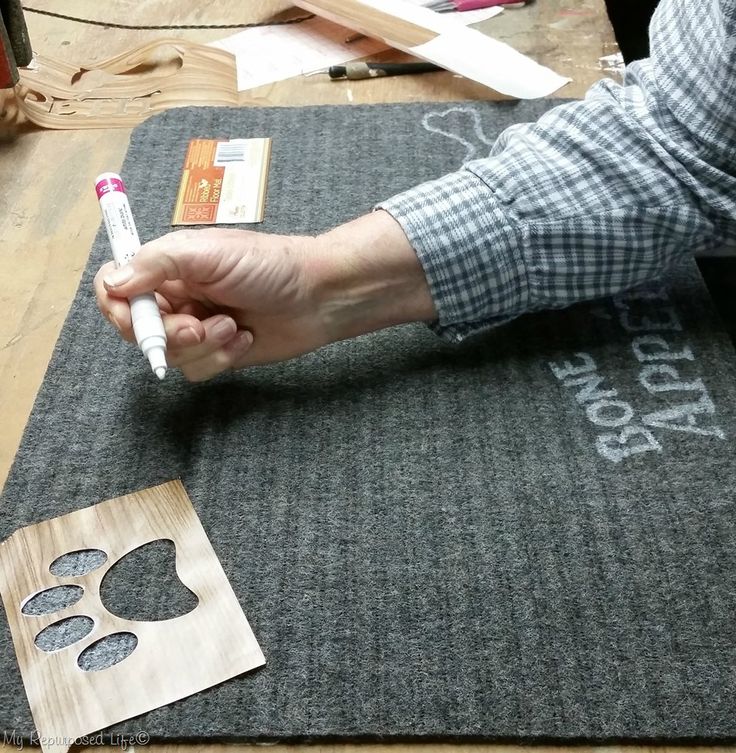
x=153 y=265
x=183 y=329
x=191 y=255
x=222 y=346
x=201 y=345
x=201 y=349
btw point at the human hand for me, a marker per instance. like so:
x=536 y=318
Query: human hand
x=217 y=289
x=235 y=298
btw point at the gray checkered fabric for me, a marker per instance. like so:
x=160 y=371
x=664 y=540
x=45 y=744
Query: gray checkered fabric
x=598 y=195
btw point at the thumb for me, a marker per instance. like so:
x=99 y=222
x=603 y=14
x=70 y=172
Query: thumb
x=170 y=257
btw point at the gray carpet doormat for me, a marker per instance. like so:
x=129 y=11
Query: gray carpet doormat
x=528 y=536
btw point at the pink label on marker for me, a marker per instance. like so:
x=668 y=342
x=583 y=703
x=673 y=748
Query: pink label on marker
x=106 y=185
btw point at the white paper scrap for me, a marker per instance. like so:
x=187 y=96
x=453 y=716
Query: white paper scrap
x=612 y=63
x=265 y=54
x=272 y=53
x=481 y=58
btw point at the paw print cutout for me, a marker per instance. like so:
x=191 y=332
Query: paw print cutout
x=99 y=635
x=142 y=586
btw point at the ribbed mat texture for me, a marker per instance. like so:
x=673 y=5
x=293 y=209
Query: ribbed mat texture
x=528 y=536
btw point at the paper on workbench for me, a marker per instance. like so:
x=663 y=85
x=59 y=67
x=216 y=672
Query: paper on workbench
x=272 y=53
x=481 y=58
x=457 y=48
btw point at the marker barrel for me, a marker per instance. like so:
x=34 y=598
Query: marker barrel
x=147 y=324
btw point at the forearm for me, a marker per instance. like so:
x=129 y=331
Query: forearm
x=597 y=196
x=368 y=277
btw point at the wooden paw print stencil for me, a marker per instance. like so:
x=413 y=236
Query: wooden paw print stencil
x=148 y=664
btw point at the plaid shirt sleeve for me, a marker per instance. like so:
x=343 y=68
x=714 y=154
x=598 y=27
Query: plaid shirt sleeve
x=598 y=195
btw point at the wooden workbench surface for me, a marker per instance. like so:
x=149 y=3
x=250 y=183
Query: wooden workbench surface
x=49 y=213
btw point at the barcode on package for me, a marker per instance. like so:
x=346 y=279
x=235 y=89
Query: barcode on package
x=230 y=151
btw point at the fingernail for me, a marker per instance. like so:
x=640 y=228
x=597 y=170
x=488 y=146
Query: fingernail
x=189 y=336
x=241 y=342
x=119 y=276
x=224 y=329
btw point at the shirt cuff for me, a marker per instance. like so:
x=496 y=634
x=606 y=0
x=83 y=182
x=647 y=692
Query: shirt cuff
x=470 y=252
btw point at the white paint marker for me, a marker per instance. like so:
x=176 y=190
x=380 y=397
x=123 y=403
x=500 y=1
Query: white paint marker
x=147 y=324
